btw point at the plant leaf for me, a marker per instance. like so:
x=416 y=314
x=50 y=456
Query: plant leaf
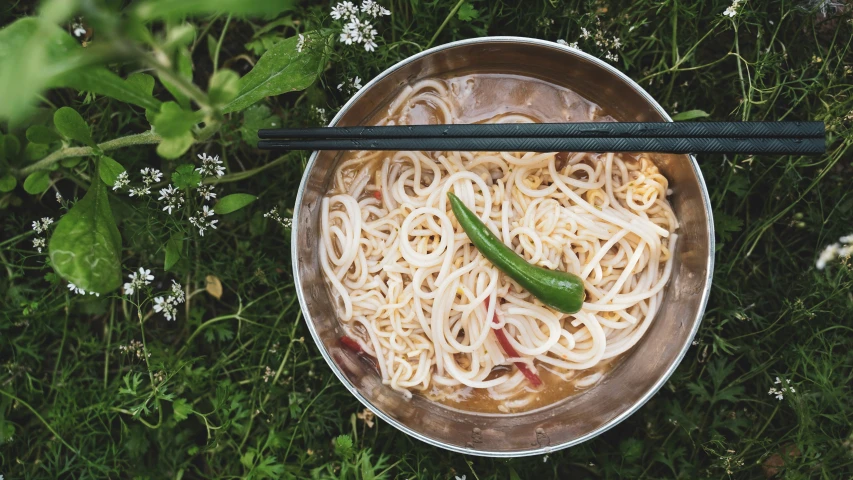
x=35 y=151
x=280 y=70
x=181 y=409
x=467 y=12
x=173 y=121
x=173 y=252
x=185 y=70
x=85 y=248
x=41 y=134
x=37 y=182
x=7 y=183
x=233 y=202
x=109 y=170
x=255 y=118
x=71 y=125
x=173 y=148
x=224 y=86
x=152 y=9
x=213 y=286
x=142 y=82
x=185 y=176
x=689 y=115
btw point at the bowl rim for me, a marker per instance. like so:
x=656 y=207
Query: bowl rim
x=697 y=321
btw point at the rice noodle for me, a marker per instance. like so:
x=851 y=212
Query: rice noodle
x=405 y=272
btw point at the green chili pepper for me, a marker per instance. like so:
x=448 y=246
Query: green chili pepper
x=561 y=291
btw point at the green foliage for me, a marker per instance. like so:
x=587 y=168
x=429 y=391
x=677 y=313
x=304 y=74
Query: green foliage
x=255 y=118
x=109 y=170
x=37 y=182
x=467 y=12
x=175 y=125
x=689 y=115
x=185 y=176
x=152 y=9
x=173 y=252
x=41 y=134
x=85 y=247
x=233 y=202
x=71 y=125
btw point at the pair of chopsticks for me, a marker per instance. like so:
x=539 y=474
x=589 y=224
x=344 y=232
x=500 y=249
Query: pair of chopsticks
x=784 y=138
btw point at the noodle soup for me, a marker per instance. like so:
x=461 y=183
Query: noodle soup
x=418 y=299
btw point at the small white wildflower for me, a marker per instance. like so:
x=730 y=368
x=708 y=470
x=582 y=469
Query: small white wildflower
x=563 y=42
x=732 y=10
x=38 y=243
x=545 y=459
x=611 y=56
x=457 y=477
x=320 y=114
x=356 y=83
x=76 y=289
x=165 y=306
x=150 y=175
x=202 y=221
x=138 y=280
x=268 y=374
x=584 y=33
x=344 y=10
x=778 y=393
x=301 y=43
x=177 y=293
x=284 y=222
x=42 y=225
x=370 y=45
x=206 y=192
x=174 y=198
x=58 y=197
x=210 y=166
x=139 y=191
x=122 y=181
x=616 y=43
x=841 y=249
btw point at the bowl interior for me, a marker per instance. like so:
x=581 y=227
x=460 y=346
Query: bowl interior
x=643 y=369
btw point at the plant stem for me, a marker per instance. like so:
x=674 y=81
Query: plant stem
x=219 y=44
x=444 y=24
x=185 y=86
x=146 y=138
x=236 y=177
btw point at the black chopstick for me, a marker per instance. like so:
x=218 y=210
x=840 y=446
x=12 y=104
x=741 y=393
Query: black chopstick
x=580 y=130
x=750 y=146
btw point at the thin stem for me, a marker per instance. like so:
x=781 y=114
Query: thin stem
x=182 y=84
x=61 y=343
x=444 y=24
x=109 y=343
x=235 y=177
x=42 y=420
x=146 y=138
x=219 y=44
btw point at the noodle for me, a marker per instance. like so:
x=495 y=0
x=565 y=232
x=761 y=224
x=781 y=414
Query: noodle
x=412 y=287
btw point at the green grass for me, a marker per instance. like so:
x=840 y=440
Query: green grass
x=75 y=404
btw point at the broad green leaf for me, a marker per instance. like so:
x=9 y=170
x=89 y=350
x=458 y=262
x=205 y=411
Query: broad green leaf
x=36 y=55
x=173 y=252
x=280 y=70
x=35 y=151
x=37 y=182
x=185 y=176
x=172 y=148
x=233 y=202
x=467 y=12
x=689 y=115
x=12 y=146
x=109 y=170
x=56 y=11
x=152 y=9
x=85 y=248
x=71 y=162
x=179 y=36
x=182 y=409
x=173 y=121
x=41 y=134
x=224 y=86
x=7 y=183
x=142 y=82
x=71 y=125
x=255 y=118
x=185 y=70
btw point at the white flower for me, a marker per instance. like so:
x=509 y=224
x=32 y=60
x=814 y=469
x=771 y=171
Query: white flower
x=174 y=198
x=344 y=10
x=373 y=9
x=76 y=289
x=121 y=181
x=356 y=83
x=210 y=165
x=206 y=192
x=177 y=293
x=584 y=33
x=58 y=200
x=778 y=393
x=351 y=86
x=150 y=175
x=42 y=225
x=370 y=45
x=841 y=249
x=38 y=243
x=78 y=32
x=202 y=220
x=139 y=191
x=563 y=42
x=457 y=477
x=611 y=56
x=138 y=280
x=284 y=222
x=166 y=306
x=733 y=9
x=616 y=42
x=545 y=459
x=301 y=43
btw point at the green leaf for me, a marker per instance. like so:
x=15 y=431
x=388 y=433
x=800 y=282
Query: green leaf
x=179 y=36
x=280 y=70
x=12 y=146
x=35 y=151
x=185 y=70
x=153 y=9
x=467 y=12
x=689 y=115
x=185 y=176
x=343 y=446
x=36 y=55
x=173 y=252
x=71 y=125
x=41 y=134
x=255 y=118
x=85 y=248
x=181 y=409
x=71 y=162
x=142 y=82
x=173 y=121
x=109 y=170
x=7 y=183
x=233 y=202
x=726 y=225
x=224 y=86
x=173 y=148
x=37 y=182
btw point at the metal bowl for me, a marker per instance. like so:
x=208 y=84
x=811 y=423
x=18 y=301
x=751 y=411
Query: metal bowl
x=643 y=370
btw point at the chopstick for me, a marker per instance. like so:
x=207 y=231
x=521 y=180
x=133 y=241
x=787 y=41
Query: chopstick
x=687 y=137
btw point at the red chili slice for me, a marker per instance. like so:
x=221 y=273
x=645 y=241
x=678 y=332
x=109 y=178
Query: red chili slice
x=351 y=344
x=377 y=195
x=510 y=350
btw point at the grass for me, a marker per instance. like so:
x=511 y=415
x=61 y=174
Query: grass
x=235 y=387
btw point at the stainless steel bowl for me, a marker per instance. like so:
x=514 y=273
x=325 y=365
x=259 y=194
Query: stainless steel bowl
x=647 y=366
